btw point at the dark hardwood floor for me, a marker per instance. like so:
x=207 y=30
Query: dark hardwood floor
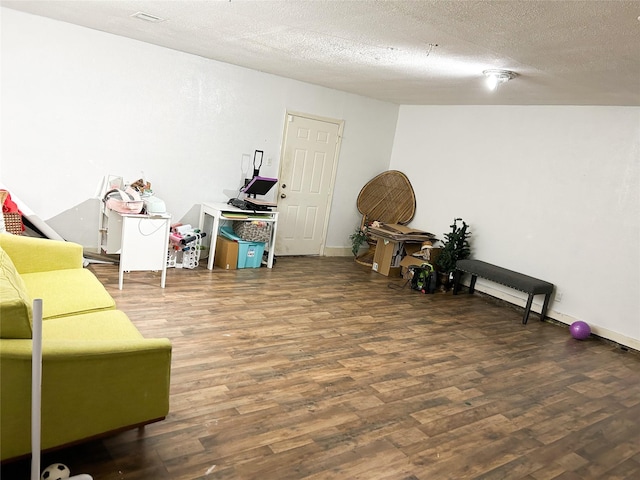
x=317 y=369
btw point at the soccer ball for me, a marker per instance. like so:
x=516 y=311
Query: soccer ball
x=56 y=471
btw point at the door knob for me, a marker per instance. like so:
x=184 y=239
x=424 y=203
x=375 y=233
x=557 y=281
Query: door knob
x=283 y=195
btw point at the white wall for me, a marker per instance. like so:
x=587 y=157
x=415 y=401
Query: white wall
x=79 y=104
x=549 y=191
x=553 y=192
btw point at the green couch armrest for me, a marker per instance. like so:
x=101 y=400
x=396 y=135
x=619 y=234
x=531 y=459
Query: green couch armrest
x=30 y=254
x=88 y=388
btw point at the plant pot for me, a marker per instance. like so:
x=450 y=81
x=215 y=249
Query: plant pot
x=444 y=279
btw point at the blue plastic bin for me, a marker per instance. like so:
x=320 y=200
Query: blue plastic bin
x=249 y=253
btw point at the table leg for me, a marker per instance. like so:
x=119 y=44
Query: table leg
x=214 y=240
x=272 y=245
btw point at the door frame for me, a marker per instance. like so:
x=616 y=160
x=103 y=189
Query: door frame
x=340 y=124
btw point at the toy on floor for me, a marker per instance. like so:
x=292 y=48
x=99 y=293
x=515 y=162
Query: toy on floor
x=580 y=330
x=56 y=471
x=59 y=471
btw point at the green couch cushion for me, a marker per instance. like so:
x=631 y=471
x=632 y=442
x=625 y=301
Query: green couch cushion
x=107 y=325
x=16 y=314
x=68 y=292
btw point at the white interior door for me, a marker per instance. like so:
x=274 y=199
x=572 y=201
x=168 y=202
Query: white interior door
x=307 y=174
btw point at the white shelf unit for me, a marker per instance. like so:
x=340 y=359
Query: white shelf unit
x=110 y=231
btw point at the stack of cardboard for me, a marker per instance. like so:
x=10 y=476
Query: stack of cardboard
x=395 y=243
x=401 y=233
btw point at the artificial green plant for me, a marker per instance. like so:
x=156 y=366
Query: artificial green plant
x=454 y=247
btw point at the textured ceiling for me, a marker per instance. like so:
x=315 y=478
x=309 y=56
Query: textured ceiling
x=405 y=52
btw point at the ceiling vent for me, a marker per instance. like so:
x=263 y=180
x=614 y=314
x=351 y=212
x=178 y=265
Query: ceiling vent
x=147 y=17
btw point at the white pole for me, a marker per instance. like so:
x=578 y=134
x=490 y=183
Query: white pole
x=36 y=388
x=36 y=394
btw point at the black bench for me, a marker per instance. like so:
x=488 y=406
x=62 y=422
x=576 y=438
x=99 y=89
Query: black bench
x=509 y=278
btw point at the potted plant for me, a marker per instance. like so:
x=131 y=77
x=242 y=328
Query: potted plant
x=454 y=247
x=361 y=236
x=358 y=237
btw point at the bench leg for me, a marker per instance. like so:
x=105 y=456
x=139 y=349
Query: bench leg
x=545 y=305
x=472 y=285
x=527 y=309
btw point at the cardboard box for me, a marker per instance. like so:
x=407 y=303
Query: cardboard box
x=401 y=233
x=410 y=248
x=386 y=259
x=388 y=256
x=431 y=255
x=392 y=258
x=226 y=253
x=409 y=261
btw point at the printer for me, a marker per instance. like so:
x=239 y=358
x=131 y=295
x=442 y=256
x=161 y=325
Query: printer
x=154 y=205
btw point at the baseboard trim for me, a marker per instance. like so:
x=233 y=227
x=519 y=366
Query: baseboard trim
x=559 y=317
x=338 y=252
x=521 y=301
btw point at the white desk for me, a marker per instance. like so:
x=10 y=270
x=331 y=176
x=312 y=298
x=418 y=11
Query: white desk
x=145 y=242
x=216 y=211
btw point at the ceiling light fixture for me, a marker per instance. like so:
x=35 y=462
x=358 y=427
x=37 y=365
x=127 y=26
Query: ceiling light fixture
x=495 y=77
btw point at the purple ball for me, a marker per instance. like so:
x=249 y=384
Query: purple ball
x=580 y=330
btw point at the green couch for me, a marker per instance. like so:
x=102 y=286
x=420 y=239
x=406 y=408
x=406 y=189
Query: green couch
x=99 y=374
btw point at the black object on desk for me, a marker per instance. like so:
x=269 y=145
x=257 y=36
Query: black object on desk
x=238 y=203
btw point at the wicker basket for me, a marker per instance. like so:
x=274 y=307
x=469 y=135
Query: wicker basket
x=386 y=198
x=253 y=231
x=13 y=223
